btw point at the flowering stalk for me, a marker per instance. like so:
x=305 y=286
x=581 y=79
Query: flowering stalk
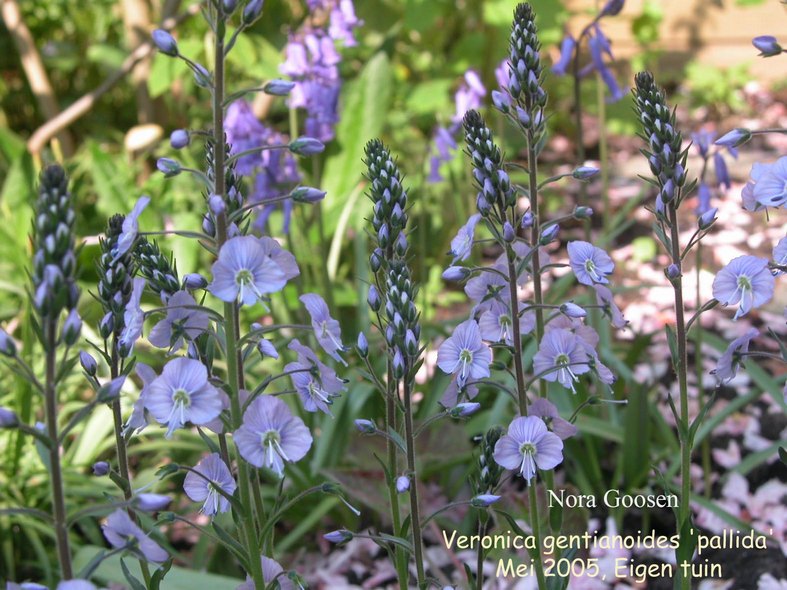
x=400 y=327
x=55 y=290
x=231 y=310
x=667 y=163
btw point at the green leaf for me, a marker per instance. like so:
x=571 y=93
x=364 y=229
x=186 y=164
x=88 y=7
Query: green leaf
x=366 y=102
x=636 y=451
x=135 y=583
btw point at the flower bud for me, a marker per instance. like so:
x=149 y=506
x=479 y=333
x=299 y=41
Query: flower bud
x=362 y=346
x=230 y=6
x=168 y=166
x=549 y=234
x=612 y=7
x=398 y=364
x=266 y=348
x=572 y=310
x=583 y=212
x=509 y=235
x=402 y=484
x=165 y=42
x=179 y=138
x=528 y=219
x=207 y=225
x=194 y=280
x=455 y=273
x=88 y=363
x=584 y=172
x=708 y=218
x=100 y=468
x=484 y=500
x=72 y=327
x=339 y=537
x=410 y=343
x=376 y=260
x=307 y=194
x=401 y=244
x=252 y=11
x=464 y=409
x=767 y=45
x=365 y=426
x=306 y=146
x=106 y=326
x=202 y=76
x=152 y=502
x=734 y=138
x=672 y=272
x=278 y=87
x=373 y=299
x=111 y=391
x=7 y=344
x=501 y=100
x=8 y=418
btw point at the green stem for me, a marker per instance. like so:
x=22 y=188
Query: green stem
x=396 y=519
x=58 y=495
x=231 y=316
x=517 y=337
x=681 y=365
x=535 y=524
x=415 y=518
x=479 y=573
x=706 y=455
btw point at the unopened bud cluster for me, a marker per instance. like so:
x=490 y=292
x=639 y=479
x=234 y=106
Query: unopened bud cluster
x=492 y=181
x=388 y=261
x=157 y=269
x=667 y=161
x=54 y=263
x=489 y=472
x=232 y=198
x=524 y=62
x=115 y=280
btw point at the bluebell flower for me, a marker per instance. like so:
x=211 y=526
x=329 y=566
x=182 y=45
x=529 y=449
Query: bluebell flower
x=311 y=60
x=244 y=272
x=561 y=353
x=316 y=383
x=182 y=321
x=465 y=353
x=703 y=199
x=182 y=394
x=599 y=46
x=270 y=435
x=121 y=532
x=528 y=446
x=326 y=329
x=204 y=489
x=567 y=47
x=245 y=132
x=590 y=264
x=747 y=281
x=722 y=175
x=727 y=366
x=343 y=22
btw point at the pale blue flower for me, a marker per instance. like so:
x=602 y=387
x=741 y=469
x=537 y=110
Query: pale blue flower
x=121 y=532
x=326 y=329
x=244 y=272
x=590 y=264
x=727 y=366
x=747 y=281
x=561 y=357
x=462 y=244
x=315 y=382
x=528 y=445
x=270 y=435
x=204 y=489
x=133 y=319
x=465 y=353
x=129 y=230
x=182 y=394
x=182 y=321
